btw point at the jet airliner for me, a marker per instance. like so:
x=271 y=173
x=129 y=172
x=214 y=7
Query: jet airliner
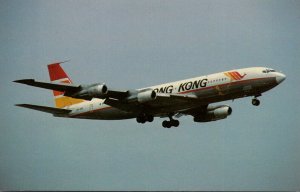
x=192 y=96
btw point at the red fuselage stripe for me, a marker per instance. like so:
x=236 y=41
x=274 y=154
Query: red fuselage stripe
x=236 y=82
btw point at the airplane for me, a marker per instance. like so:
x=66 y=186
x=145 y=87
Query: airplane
x=192 y=96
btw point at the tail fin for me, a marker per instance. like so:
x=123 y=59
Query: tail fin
x=58 y=75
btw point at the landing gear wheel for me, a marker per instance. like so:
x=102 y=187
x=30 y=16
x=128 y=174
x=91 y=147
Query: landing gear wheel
x=150 y=118
x=169 y=124
x=255 y=102
x=139 y=119
x=143 y=118
x=166 y=124
x=175 y=123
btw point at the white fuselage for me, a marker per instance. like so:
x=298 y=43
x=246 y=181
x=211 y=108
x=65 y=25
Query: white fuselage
x=209 y=89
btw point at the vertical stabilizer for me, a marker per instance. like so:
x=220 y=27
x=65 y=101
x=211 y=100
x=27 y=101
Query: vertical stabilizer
x=58 y=75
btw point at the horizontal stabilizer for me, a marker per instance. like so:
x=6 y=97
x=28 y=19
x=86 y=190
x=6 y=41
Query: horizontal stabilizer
x=54 y=111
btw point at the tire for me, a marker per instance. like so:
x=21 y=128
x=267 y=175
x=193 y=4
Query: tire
x=169 y=125
x=139 y=120
x=255 y=102
x=150 y=118
x=175 y=123
x=165 y=124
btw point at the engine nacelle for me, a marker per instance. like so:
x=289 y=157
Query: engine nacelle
x=141 y=97
x=146 y=96
x=89 y=92
x=214 y=114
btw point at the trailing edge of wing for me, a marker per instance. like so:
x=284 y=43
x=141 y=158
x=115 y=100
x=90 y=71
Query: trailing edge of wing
x=54 y=111
x=52 y=86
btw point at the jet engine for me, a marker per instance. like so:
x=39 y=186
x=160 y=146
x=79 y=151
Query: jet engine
x=146 y=96
x=214 y=114
x=91 y=91
x=141 y=97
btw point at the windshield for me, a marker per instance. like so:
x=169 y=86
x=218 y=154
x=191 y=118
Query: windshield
x=268 y=70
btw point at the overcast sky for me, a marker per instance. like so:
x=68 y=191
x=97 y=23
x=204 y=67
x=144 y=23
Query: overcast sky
x=134 y=44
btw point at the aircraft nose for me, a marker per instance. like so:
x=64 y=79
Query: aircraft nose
x=280 y=77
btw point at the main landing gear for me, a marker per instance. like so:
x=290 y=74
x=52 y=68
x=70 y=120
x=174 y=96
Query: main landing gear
x=255 y=101
x=171 y=123
x=143 y=118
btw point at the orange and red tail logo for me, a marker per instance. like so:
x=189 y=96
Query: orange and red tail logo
x=58 y=75
x=234 y=75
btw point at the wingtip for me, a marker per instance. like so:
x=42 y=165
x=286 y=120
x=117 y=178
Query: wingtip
x=20 y=105
x=24 y=81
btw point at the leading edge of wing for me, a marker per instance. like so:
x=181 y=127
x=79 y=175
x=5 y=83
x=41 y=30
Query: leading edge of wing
x=176 y=97
x=53 y=110
x=46 y=85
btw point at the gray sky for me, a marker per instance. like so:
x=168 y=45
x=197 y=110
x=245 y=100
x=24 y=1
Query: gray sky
x=134 y=44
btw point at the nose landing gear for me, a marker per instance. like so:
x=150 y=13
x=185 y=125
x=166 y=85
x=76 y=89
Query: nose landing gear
x=255 y=101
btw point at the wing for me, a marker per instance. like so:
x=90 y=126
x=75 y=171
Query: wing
x=177 y=104
x=64 y=87
x=193 y=110
x=162 y=105
x=75 y=91
x=54 y=111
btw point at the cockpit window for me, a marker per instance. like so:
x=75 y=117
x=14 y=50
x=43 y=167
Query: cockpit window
x=268 y=70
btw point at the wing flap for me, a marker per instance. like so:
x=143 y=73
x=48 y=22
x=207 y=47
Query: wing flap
x=52 y=110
